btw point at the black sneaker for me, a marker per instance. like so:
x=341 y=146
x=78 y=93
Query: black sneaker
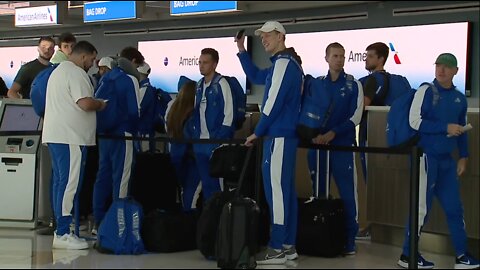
x=422 y=263
x=466 y=261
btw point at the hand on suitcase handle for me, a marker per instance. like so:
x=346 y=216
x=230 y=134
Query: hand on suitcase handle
x=250 y=140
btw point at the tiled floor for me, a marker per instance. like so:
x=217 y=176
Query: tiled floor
x=23 y=248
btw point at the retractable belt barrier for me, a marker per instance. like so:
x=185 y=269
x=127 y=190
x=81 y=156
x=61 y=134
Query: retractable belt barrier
x=414 y=153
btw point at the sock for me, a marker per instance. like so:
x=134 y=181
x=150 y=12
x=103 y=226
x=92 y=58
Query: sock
x=287 y=246
x=277 y=250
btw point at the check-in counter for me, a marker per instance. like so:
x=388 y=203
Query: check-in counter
x=388 y=192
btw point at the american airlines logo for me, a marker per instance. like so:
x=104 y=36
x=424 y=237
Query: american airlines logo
x=395 y=56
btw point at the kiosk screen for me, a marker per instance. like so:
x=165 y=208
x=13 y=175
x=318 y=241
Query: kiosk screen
x=19 y=118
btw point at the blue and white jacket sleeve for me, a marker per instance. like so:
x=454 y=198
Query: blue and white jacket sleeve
x=421 y=104
x=254 y=74
x=226 y=129
x=462 y=140
x=355 y=112
x=276 y=94
x=133 y=100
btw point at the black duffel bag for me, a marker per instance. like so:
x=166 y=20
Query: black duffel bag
x=170 y=231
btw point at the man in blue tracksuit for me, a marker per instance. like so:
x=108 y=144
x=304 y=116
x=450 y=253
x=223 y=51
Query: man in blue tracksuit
x=153 y=104
x=376 y=94
x=280 y=111
x=212 y=117
x=347 y=112
x=374 y=90
x=440 y=129
x=116 y=157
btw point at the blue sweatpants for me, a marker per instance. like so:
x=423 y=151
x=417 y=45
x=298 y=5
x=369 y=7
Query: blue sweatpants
x=68 y=163
x=210 y=185
x=342 y=167
x=278 y=170
x=187 y=174
x=438 y=177
x=116 y=161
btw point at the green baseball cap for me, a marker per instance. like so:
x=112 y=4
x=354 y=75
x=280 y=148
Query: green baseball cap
x=447 y=59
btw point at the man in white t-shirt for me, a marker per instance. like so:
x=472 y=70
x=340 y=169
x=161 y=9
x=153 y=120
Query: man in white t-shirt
x=69 y=126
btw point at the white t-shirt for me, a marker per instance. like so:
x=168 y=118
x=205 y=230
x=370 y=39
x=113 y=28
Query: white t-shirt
x=65 y=122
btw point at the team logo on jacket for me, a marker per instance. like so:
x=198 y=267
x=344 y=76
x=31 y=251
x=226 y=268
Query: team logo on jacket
x=457 y=100
x=395 y=56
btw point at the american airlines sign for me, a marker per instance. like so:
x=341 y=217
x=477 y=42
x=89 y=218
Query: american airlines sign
x=35 y=16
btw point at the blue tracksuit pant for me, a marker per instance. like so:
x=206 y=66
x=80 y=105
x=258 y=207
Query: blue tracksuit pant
x=438 y=177
x=116 y=161
x=187 y=174
x=342 y=167
x=210 y=185
x=68 y=163
x=278 y=170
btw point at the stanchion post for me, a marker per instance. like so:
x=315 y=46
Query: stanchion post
x=414 y=193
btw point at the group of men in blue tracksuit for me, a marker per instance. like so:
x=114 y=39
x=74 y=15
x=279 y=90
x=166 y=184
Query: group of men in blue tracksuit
x=280 y=109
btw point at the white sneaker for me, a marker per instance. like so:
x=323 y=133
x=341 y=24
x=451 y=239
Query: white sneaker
x=68 y=241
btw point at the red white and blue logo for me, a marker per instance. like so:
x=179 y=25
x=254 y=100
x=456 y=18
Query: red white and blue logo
x=50 y=14
x=395 y=56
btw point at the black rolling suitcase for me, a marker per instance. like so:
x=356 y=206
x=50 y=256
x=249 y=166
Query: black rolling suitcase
x=207 y=226
x=237 y=239
x=321 y=223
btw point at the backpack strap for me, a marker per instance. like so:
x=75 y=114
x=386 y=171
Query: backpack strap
x=436 y=94
x=330 y=107
x=382 y=95
x=288 y=56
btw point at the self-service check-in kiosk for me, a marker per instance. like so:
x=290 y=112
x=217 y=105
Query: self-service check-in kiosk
x=20 y=141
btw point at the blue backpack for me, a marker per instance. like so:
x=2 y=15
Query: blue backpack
x=119 y=231
x=399 y=132
x=113 y=86
x=38 y=92
x=106 y=119
x=239 y=99
x=315 y=108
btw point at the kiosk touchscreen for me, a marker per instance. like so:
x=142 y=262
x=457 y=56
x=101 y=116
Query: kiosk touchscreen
x=19 y=144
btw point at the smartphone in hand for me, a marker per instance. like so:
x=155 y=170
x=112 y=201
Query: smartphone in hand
x=240 y=34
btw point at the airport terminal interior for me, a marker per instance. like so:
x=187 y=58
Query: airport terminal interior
x=170 y=35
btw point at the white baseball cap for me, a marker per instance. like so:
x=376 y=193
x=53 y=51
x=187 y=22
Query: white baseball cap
x=144 y=69
x=269 y=27
x=105 y=62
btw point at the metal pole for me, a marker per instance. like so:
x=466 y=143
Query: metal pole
x=414 y=190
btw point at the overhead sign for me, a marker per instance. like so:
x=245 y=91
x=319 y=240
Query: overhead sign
x=109 y=11
x=178 y=8
x=36 y=16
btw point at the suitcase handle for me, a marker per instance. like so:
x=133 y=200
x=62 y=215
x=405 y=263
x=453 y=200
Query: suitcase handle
x=244 y=170
x=327 y=178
